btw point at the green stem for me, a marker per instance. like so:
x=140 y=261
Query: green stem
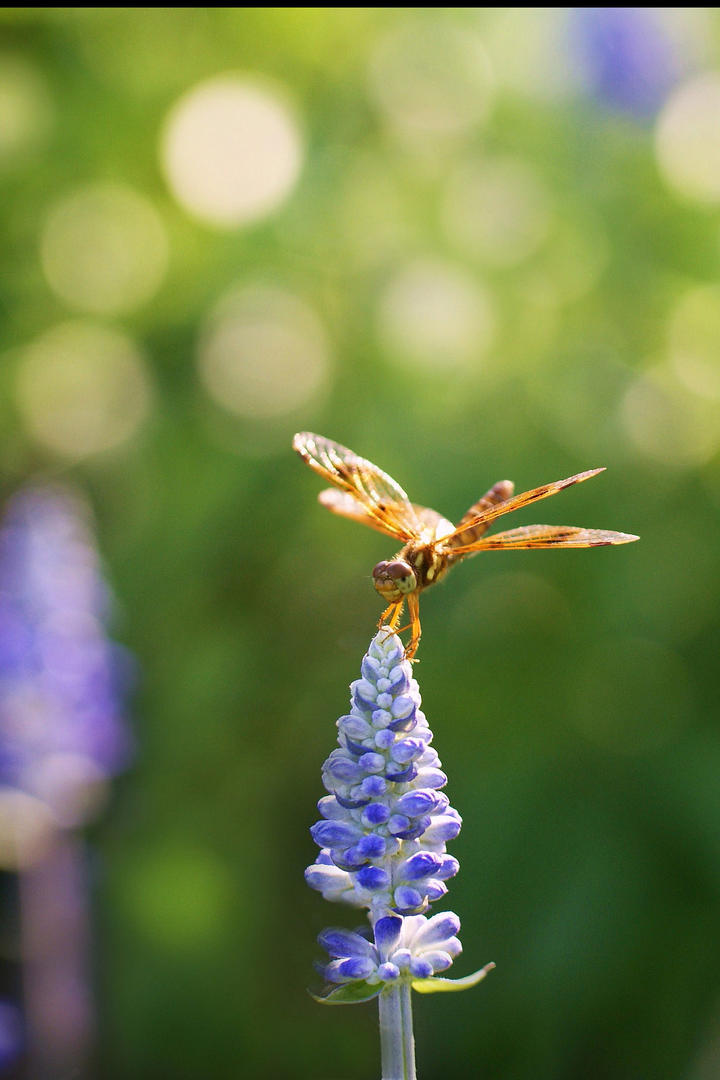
x=397 y=1045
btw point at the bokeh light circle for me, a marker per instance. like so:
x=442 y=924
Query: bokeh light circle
x=231 y=150
x=373 y=214
x=496 y=210
x=263 y=353
x=25 y=108
x=104 y=249
x=431 y=77
x=570 y=264
x=529 y=51
x=667 y=422
x=82 y=389
x=687 y=139
x=693 y=337
x=435 y=314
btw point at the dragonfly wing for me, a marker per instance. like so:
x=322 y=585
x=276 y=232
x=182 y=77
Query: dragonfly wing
x=465 y=534
x=547 y=536
x=381 y=497
x=498 y=493
x=436 y=527
x=347 y=506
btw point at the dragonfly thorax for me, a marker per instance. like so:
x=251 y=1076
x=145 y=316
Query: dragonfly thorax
x=394 y=579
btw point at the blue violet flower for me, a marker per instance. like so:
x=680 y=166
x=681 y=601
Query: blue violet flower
x=382 y=838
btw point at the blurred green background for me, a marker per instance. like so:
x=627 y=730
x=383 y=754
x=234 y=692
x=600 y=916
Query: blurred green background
x=471 y=245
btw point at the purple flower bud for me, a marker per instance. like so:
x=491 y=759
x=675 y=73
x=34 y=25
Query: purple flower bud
x=414 y=831
x=437 y=930
x=403 y=723
x=407 y=750
x=384 y=739
x=338 y=942
x=415 y=803
x=399 y=679
x=332 y=882
x=390 y=646
x=387 y=933
x=374 y=786
x=429 y=759
x=408 y=899
x=354 y=726
x=435 y=889
x=347 y=970
x=420 y=865
x=375 y=814
x=438 y=960
x=402 y=707
x=334 y=833
x=402 y=957
x=330 y=808
x=372 y=846
x=421 y=968
x=356 y=748
x=350 y=804
x=398 y=824
x=441 y=829
x=352 y=858
x=344 y=770
x=370 y=669
x=372 y=763
x=373 y=877
x=400 y=774
x=448 y=867
x=363 y=695
x=432 y=778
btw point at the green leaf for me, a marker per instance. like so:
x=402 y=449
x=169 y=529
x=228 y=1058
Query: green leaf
x=349 y=994
x=435 y=985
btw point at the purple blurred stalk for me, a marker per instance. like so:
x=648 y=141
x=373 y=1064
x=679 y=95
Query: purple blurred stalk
x=55 y=949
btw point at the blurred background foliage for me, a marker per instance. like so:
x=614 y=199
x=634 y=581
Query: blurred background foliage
x=469 y=244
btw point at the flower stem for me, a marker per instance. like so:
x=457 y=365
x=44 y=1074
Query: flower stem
x=397 y=1045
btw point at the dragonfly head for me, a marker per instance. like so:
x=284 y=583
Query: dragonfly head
x=394 y=579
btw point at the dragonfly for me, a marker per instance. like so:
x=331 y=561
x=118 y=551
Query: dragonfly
x=431 y=543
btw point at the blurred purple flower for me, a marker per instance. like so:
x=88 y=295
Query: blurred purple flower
x=62 y=681
x=11 y=1034
x=629 y=60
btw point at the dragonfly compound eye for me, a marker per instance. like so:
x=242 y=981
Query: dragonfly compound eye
x=394 y=579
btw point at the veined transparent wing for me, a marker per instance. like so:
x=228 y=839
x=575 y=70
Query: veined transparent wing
x=547 y=536
x=464 y=535
x=381 y=498
x=433 y=525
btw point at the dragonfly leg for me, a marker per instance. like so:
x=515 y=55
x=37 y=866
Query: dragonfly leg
x=414 y=612
x=391 y=616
